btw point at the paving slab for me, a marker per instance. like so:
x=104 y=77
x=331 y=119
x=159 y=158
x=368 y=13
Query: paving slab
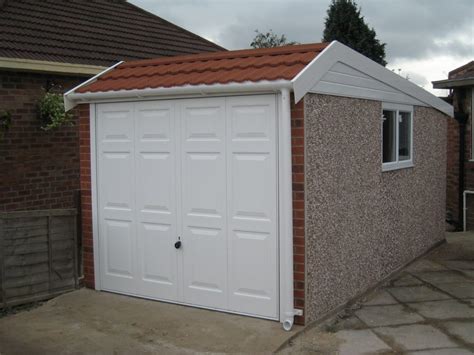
x=450 y=351
x=463 y=330
x=459 y=290
x=436 y=277
x=406 y=280
x=336 y=323
x=425 y=265
x=379 y=298
x=358 y=342
x=469 y=273
x=86 y=321
x=416 y=294
x=459 y=264
x=443 y=309
x=415 y=337
x=377 y=316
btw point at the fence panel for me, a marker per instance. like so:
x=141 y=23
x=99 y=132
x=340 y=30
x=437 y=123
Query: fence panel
x=38 y=255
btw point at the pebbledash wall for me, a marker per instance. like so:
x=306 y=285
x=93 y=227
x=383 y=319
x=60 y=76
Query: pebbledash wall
x=39 y=170
x=361 y=223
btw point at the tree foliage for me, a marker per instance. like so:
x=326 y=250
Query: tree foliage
x=269 y=40
x=345 y=24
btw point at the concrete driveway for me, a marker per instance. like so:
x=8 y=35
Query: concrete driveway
x=428 y=308
x=85 y=321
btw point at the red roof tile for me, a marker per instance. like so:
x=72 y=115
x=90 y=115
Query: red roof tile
x=281 y=63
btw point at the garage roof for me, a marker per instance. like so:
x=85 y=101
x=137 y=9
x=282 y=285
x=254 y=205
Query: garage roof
x=282 y=63
x=332 y=69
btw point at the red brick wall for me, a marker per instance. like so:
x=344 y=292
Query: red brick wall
x=452 y=168
x=85 y=168
x=38 y=169
x=297 y=149
x=452 y=171
x=297 y=136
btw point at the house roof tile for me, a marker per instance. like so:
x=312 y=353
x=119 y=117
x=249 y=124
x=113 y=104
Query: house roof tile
x=281 y=63
x=95 y=32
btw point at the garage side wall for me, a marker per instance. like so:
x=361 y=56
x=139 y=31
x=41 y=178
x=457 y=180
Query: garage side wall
x=361 y=223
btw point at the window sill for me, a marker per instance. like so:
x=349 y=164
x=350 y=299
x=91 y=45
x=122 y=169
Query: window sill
x=397 y=166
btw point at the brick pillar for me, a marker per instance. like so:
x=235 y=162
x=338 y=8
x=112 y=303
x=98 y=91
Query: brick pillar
x=86 y=205
x=297 y=150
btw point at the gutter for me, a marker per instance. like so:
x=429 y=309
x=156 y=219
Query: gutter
x=72 y=98
x=68 y=104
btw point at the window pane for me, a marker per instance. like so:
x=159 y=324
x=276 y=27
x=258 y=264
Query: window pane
x=404 y=138
x=389 y=132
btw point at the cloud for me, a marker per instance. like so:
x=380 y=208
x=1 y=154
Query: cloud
x=415 y=31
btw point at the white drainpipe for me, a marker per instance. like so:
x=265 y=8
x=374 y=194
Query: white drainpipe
x=286 y=214
x=464 y=207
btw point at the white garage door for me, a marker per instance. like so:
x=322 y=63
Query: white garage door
x=201 y=173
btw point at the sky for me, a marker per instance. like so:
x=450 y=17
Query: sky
x=425 y=39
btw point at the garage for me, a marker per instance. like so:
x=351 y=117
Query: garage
x=278 y=183
x=188 y=201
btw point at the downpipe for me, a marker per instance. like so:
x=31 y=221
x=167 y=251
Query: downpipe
x=287 y=311
x=464 y=207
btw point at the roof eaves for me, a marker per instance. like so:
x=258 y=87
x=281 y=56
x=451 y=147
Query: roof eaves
x=72 y=98
x=451 y=83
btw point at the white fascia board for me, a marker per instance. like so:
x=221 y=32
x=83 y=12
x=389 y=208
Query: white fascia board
x=68 y=102
x=177 y=91
x=313 y=72
x=337 y=52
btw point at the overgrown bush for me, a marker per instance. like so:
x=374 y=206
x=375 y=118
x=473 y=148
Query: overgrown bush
x=52 y=113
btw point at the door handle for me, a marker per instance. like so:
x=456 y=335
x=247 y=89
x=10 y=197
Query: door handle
x=177 y=245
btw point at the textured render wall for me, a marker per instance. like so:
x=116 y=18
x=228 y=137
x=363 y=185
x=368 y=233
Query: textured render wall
x=362 y=224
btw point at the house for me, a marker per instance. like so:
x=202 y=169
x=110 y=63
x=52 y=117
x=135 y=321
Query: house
x=460 y=162
x=53 y=43
x=278 y=183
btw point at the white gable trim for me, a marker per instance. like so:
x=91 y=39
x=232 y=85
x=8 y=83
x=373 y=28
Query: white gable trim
x=307 y=80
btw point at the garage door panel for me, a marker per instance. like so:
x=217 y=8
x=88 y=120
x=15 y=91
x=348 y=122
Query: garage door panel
x=156 y=198
x=253 y=273
x=158 y=260
x=252 y=190
x=204 y=277
x=203 y=189
x=252 y=172
x=155 y=178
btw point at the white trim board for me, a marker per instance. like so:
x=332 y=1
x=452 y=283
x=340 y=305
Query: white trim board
x=311 y=79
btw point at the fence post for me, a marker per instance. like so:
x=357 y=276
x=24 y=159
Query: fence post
x=3 y=296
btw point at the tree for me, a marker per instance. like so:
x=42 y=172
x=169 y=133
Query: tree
x=269 y=40
x=345 y=24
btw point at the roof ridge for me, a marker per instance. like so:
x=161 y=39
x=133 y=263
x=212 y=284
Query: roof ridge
x=309 y=47
x=454 y=71
x=118 y=76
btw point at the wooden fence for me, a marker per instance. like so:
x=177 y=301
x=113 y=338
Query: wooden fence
x=38 y=255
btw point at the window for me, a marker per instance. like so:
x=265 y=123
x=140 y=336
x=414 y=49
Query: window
x=397 y=133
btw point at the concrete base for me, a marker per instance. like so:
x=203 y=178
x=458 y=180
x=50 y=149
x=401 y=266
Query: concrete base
x=87 y=321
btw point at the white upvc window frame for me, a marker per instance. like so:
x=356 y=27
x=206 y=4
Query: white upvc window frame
x=397 y=164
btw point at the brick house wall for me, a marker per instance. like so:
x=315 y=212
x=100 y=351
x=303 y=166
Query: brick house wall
x=297 y=133
x=39 y=170
x=452 y=164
